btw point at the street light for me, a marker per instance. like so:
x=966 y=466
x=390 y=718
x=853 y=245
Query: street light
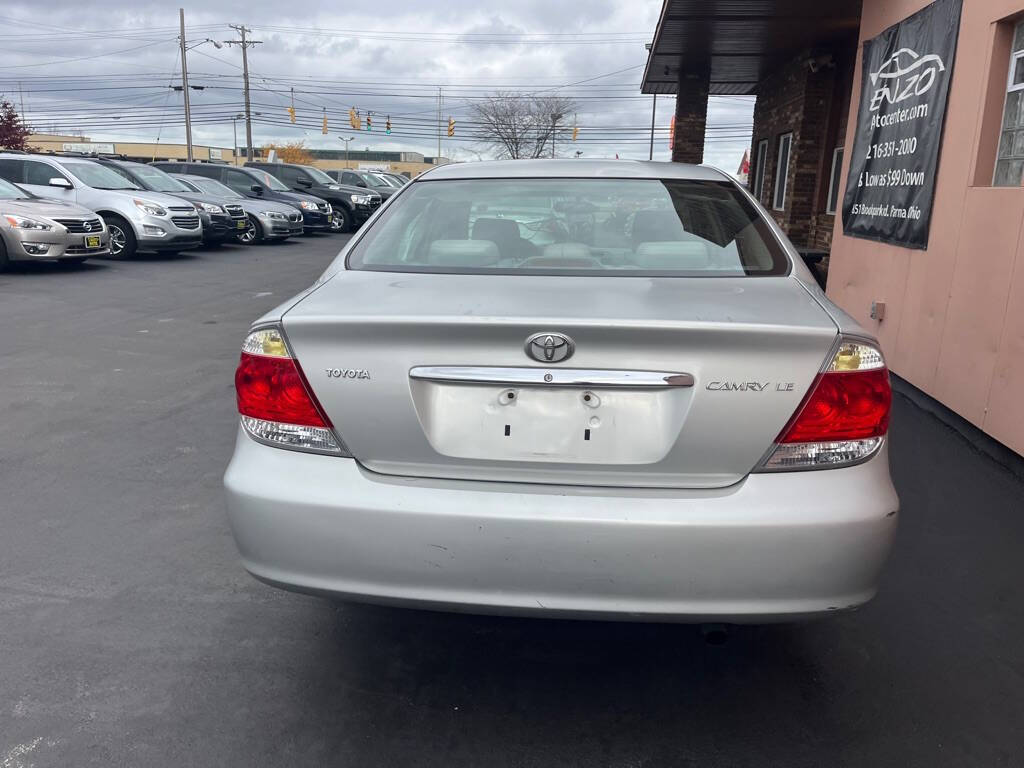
x=185 y=48
x=350 y=138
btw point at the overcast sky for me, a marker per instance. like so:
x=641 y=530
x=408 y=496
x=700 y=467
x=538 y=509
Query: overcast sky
x=107 y=73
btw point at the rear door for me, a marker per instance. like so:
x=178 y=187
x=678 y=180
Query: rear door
x=37 y=177
x=240 y=181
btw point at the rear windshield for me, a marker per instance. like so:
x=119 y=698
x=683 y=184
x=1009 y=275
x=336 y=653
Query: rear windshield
x=97 y=176
x=213 y=187
x=156 y=180
x=268 y=181
x=631 y=227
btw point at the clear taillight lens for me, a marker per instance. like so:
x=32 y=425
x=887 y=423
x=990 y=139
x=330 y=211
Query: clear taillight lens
x=274 y=400
x=844 y=417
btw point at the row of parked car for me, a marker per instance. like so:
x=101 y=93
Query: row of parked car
x=72 y=207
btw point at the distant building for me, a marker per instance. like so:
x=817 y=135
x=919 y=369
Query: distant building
x=407 y=163
x=140 y=151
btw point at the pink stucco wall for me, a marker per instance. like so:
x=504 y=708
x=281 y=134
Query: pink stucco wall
x=954 y=324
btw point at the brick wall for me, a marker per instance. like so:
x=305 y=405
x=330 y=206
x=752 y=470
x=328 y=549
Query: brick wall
x=811 y=104
x=691 y=119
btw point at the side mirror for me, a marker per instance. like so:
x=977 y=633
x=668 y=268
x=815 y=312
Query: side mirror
x=257 y=189
x=361 y=184
x=59 y=181
x=304 y=182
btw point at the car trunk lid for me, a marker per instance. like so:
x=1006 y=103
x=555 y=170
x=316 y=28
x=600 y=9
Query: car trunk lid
x=674 y=382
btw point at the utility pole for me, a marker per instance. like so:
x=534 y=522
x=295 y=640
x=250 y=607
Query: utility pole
x=184 y=88
x=350 y=138
x=555 y=117
x=654 y=111
x=438 y=123
x=245 y=44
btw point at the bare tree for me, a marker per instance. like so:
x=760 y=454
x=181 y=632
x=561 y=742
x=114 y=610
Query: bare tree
x=520 y=125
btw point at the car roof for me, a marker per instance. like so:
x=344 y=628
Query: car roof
x=267 y=164
x=570 y=169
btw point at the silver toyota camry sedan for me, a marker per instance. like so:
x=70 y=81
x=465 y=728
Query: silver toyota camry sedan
x=602 y=389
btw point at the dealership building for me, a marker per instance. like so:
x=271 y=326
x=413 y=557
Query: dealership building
x=888 y=137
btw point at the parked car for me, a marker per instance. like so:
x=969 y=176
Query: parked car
x=365 y=180
x=266 y=219
x=395 y=179
x=33 y=229
x=137 y=220
x=485 y=406
x=258 y=185
x=222 y=220
x=352 y=205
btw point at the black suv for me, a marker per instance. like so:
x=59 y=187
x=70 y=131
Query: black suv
x=352 y=205
x=222 y=220
x=254 y=183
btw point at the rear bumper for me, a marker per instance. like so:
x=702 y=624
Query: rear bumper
x=773 y=547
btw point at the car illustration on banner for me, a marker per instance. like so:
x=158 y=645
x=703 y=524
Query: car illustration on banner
x=904 y=74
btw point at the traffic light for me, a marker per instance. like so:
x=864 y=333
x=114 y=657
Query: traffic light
x=387 y=126
x=369 y=121
x=575 y=132
x=291 y=114
x=324 y=129
x=672 y=133
x=353 y=119
x=451 y=126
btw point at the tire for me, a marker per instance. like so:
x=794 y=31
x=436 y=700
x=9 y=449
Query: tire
x=123 y=244
x=342 y=220
x=4 y=261
x=253 y=233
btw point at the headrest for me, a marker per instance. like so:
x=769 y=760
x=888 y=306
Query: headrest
x=564 y=256
x=657 y=226
x=462 y=253
x=682 y=255
x=495 y=229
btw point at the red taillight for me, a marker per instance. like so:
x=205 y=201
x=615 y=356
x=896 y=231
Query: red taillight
x=842 y=405
x=273 y=389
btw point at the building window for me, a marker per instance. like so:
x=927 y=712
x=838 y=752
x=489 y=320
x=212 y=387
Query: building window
x=759 y=163
x=782 y=171
x=833 y=182
x=1010 y=160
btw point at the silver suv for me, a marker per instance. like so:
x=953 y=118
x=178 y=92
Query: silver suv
x=33 y=229
x=138 y=220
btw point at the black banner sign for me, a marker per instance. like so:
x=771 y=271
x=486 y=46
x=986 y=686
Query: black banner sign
x=905 y=85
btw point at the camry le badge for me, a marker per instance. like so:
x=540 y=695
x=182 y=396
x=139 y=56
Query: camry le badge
x=550 y=347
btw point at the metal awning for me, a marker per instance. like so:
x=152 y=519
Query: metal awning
x=740 y=41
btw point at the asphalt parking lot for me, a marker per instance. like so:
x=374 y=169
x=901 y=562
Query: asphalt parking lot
x=130 y=636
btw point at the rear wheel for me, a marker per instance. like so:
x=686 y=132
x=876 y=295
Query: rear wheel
x=253 y=233
x=123 y=244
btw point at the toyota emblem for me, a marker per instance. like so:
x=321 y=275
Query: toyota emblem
x=550 y=347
